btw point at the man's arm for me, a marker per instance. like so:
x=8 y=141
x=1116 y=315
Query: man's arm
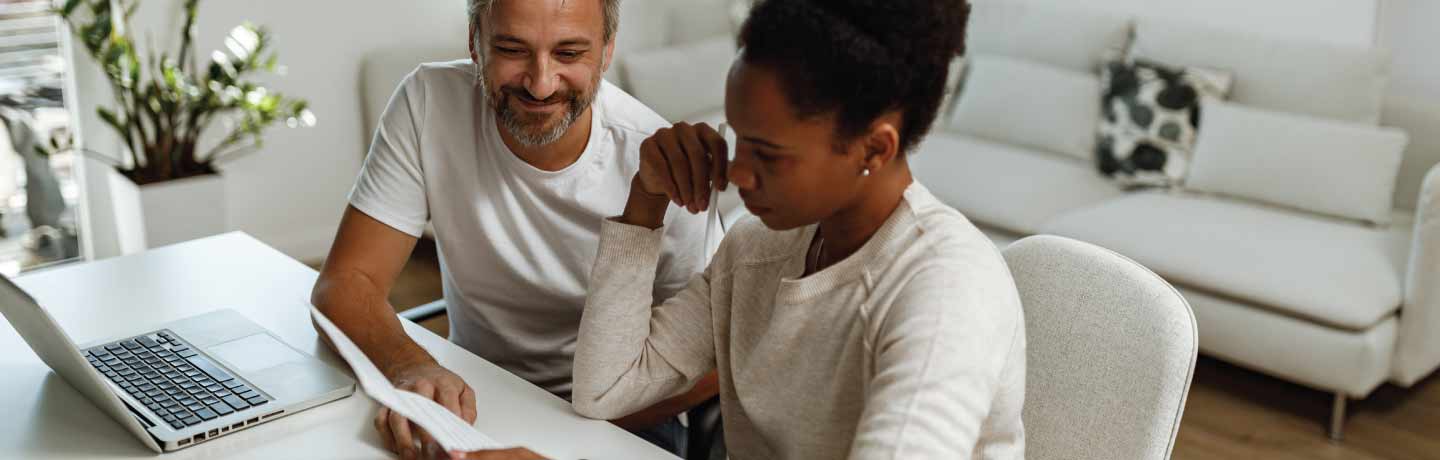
x=354 y=287
x=353 y=291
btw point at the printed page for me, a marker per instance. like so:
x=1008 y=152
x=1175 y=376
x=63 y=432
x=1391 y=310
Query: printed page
x=447 y=428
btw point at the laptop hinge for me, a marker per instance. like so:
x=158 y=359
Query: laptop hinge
x=139 y=416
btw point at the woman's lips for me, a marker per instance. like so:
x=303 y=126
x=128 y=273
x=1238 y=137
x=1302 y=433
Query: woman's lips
x=756 y=210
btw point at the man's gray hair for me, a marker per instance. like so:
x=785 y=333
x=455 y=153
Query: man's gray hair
x=480 y=9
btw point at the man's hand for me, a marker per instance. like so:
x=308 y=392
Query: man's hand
x=430 y=380
x=683 y=163
x=518 y=453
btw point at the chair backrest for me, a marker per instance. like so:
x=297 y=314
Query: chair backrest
x=1111 y=352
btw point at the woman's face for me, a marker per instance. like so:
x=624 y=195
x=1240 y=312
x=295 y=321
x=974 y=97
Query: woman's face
x=787 y=169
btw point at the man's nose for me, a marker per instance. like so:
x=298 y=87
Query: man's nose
x=541 y=81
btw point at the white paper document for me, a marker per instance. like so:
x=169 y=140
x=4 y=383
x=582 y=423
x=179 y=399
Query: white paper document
x=448 y=429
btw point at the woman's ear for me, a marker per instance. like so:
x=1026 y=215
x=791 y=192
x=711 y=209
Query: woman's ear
x=882 y=144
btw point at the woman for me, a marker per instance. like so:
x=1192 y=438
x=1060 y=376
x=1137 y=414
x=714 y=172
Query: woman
x=864 y=318
x=858 y=317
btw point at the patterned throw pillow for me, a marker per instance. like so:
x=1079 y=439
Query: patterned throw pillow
x=1151 y=114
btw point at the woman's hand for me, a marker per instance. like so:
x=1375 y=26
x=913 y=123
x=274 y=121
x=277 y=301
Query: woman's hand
x=682 y=164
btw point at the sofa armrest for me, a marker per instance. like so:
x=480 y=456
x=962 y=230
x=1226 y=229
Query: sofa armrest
x=1417 y=349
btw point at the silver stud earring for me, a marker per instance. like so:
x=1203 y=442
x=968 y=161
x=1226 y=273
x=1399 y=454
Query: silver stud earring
x=865 y=173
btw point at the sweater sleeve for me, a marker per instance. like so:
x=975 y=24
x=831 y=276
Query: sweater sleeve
x=631 y=355
x=948 y=354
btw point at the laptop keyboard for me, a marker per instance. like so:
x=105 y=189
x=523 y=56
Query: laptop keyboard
x=181 y=386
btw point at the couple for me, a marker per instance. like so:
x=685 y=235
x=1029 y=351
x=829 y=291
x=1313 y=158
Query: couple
x=855 y=317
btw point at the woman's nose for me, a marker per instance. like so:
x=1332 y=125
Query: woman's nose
x=741 y=175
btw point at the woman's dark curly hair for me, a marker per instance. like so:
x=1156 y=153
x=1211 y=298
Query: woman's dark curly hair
x=859 y=59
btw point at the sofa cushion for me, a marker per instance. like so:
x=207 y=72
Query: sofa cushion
x=1321 y=79
x=1028 y=103
x=1003 y=186
x=1067 y=37
x=1301 y=351
x=1325 y=166
x=1332 y=272
x=681 y=80
x=695 y=20
x=644 y=26
x=1151 y=115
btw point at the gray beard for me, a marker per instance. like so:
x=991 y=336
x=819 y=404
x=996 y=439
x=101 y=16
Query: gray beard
x=520 y=126
x=514 y=123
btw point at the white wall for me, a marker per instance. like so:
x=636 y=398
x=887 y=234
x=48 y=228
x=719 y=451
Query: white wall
x=1412 y=102
x=1334 y=21
x=291 y=193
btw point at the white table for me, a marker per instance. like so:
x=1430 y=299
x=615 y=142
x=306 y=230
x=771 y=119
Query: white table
x=41 y=417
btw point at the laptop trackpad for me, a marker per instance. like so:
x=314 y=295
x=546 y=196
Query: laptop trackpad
x=254 y=353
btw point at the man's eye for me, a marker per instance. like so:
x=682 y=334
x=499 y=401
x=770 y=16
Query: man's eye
x=503 y=50
x=568 y=54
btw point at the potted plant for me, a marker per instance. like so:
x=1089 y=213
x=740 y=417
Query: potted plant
x=164 y=108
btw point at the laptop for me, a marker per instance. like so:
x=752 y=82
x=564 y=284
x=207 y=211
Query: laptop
x=186 y=382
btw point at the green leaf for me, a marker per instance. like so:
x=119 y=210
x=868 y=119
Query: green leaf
x=121 y=128
x=69 y=8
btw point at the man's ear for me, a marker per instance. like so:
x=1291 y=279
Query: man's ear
x=609 y=55
x=470 y=39
x=882 y=144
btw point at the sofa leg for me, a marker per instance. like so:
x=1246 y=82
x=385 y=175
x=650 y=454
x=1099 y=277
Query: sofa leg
x=1337 y=417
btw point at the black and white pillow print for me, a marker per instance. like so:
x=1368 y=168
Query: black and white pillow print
x=1151 y=113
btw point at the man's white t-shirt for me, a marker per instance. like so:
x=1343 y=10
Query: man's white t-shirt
x=516 y=243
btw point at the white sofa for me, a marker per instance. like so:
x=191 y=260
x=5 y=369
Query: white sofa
x=1334 y=304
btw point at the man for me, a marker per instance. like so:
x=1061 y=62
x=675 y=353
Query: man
x=515 y=157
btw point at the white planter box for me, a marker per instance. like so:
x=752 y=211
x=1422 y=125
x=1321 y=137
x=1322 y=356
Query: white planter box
x=168 y=212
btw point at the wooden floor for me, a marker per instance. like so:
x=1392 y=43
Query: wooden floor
x=1232 y=413
x=1236 y=413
